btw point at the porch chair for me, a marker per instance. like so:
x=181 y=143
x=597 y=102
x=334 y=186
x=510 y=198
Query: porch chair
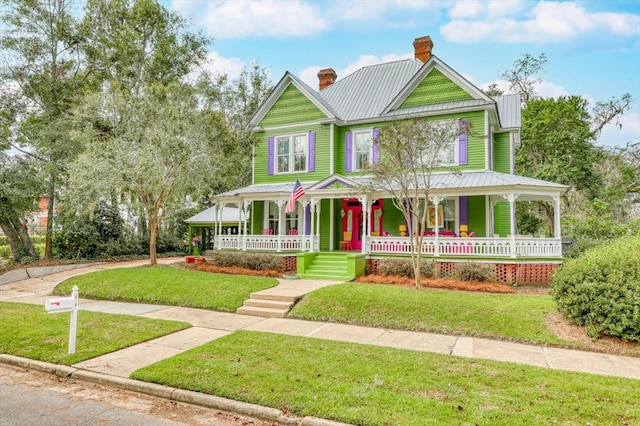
x=345 y=244
x=267 y=231
x=293 y=232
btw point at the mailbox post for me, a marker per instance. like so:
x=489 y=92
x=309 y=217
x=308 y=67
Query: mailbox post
x=56 y=305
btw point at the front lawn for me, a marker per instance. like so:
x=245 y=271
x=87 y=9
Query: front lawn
x=370 y=385
x=29 y=331
x=502 y=316
x=168 y=286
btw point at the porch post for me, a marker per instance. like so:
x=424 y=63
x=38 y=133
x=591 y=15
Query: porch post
x=364 y=201
x=280 y=204
x=239 y=204
x=436 y=202
x=303 y=232
x=331 y=224
x=318 y=223
x=512 y=212
x=556 y=217
x=314 y=201
x=245 y=212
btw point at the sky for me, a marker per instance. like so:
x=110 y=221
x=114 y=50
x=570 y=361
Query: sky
x=593 y=47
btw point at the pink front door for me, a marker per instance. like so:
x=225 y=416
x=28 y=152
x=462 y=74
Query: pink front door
x=352 y=222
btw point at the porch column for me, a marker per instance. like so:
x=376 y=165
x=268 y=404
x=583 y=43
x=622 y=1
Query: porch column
x=512 y=212
x=280 y=203
x=303 y=232
x=318 y=217
x=556 y=217
x=364 y=201
x=331 y=224
x=245 y=211
x=314 y=202
x=239 y=204
x=436 y=202
x=219 y=213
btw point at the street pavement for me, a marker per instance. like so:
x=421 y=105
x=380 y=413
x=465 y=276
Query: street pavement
x=210 y=325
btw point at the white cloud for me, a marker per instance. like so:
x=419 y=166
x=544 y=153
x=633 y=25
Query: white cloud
x=310 y=74
x=613 y=135
x=474 y=8
x=240 y=19
x=544 y=22
x=218 y=65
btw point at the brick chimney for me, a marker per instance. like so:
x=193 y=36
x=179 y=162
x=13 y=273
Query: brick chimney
x=422 y=48
x=326 y=77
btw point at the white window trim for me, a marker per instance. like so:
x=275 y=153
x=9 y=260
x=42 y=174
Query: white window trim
x=353 y=148
x=291 y=153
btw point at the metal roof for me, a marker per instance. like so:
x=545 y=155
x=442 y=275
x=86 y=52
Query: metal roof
x=447 y=106
x=509 y=110
x=475 y=182
x=368 y=91
x=229 y=214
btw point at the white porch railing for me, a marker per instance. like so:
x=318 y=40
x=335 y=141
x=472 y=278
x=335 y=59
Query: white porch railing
x=480 y=247
x=264 y=242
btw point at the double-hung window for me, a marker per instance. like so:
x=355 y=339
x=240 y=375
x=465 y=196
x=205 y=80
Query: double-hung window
x=291 y=153
x=361 y=149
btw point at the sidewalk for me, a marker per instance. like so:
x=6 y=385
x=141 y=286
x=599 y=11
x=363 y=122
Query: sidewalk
x=210 y=325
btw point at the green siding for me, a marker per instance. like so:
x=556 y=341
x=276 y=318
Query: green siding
x=291 y=107
x=501 y=153
x=322 y=155
x=475 y=140
x=502 y=219
x=477 y=215
x=257 y=217
x=392 y=218
x=325 y=225
x=436 y=88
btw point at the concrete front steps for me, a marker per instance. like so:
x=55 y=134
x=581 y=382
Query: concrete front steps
x=329 y=266
x=267 y=305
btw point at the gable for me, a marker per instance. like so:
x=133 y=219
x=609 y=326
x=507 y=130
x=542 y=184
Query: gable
x=291 y=107
x=435 y=88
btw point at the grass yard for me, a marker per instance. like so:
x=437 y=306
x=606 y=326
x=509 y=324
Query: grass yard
x=31 y=332
x=168 y=285
x=503 y=316
x=369 y=385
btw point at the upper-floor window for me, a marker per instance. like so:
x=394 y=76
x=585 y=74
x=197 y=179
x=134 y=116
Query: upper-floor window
x=291 y=153
x=447 y=150
x=361 y=149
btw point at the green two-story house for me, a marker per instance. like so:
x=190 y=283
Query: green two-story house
x=324 y=138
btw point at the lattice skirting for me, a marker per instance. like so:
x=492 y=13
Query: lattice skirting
x=509 y=273
x=289 y=263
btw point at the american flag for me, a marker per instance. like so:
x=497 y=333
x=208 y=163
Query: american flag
x=298 y=192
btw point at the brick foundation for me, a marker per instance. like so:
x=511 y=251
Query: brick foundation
x=508 y=273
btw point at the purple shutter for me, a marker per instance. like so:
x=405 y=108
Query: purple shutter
x=312 y=152
x=270 y=157
x=348 y=147
x=376 y=146
x=464 y=210
x=307 y=220
x=462 y=144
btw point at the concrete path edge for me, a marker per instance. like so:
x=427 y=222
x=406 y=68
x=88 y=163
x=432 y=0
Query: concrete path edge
x=167 y=392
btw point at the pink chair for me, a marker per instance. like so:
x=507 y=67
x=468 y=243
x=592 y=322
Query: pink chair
x=267 y=231
x=293 y=232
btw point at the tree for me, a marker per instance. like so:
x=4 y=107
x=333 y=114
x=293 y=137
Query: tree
x=160 y=147
x=494 y=90
x=410 y=151
x=237 y=100
x=522 y=75
x=40 y=51
x=19 y=190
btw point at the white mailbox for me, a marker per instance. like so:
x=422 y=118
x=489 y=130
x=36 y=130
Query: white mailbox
x=59 y=304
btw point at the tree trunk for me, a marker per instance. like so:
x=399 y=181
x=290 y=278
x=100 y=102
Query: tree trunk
x=18 y=239
x=153 y=234
x=48 y=247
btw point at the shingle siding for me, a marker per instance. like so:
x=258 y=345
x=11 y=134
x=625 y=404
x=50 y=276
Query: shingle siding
x=435 y=88
x=292 y=107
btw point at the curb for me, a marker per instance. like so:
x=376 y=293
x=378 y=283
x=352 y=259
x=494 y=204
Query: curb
x=167 y=392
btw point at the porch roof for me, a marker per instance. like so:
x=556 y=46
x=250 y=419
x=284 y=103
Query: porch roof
x=474 y=182
x=209 y=216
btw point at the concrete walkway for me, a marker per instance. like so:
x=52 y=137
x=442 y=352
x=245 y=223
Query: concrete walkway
x=210 y=325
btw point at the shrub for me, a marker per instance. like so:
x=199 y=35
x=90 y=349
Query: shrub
x=254 y=261
x=404 y=267
x=601 y=289
x=472 y=271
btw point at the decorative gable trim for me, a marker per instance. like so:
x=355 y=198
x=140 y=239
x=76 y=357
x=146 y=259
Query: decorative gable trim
x=435 y=63
x=332 y=182
x=279 y=89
